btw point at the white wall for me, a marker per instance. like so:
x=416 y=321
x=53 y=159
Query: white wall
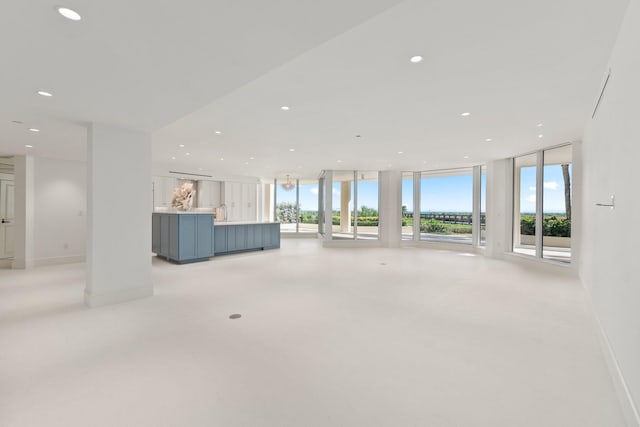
x=118 y=219
x=609 y=262
x=60 y=211
x=23 y=229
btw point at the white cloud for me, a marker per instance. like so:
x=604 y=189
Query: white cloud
x=531 y=198
x=551 y=185
x=532 y=188
x=314 y=190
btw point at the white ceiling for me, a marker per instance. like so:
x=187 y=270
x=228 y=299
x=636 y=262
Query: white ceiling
x=183 y=70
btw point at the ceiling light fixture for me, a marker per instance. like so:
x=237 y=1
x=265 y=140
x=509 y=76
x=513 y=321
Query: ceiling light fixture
x=339 y=161
x=292 y=149
x=284 y=108
x=400 y=152
x=173 y=158
x=28 y=146
x=416 y=59
x=466 y=157
x=251 y=158
x=539 y=125
x=540 y=135
x=69 y=13
x=34 y=130
x=181 y=145
x=465 y=114
x=488 y=140
x=187 y=154
x=221 y=158
x=288 y=185
x=218 y=132
x=44 y=93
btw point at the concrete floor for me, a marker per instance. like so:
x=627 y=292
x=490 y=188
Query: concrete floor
x=328 y=337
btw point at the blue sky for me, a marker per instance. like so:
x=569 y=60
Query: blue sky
x=553 y=193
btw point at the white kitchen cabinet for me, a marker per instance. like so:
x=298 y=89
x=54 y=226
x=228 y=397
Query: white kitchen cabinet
x=163 y=188
x=240 y=200
x=208 y=194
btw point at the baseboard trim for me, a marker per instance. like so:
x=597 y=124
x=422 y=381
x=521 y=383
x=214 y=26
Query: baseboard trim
x=629 y=409
x=116 y=297
x=59 y=260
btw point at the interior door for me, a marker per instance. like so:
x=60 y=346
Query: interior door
x=7 y=218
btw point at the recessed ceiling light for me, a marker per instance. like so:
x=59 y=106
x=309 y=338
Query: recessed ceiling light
x=29 y=146
x=218 y=132
x=465 y=114
x=251 y=158
x=181 y=145
x=539 y=125
x=488 y=139
x=69 y=13
x=540 y=135
x=292 y=149
x=400 y=152
x=246 y=163
x=416 y=59
x=187 y=154
x=173 y=158
x=284 y=108
x=339 y=161
x=221 y=158
x=34 y=130
x=44 y=93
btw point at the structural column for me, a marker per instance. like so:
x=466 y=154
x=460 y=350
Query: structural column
x=390 y=208
x=345 y=213
x=118 y=216
x=24 y=212
x=499 y=202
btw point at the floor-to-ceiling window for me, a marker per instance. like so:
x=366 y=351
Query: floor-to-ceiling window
x=296 y=205
x=321 y=205
x=367 y=212
x=343 y=204
x=446 y=206
x=556 y=204
x=286 y=207
x=542 y=204
x=524 y=200
x=355 y=204
x=407 y=206
x=308 y=191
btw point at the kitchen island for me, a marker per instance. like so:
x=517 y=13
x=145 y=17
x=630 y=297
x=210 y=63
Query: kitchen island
x=185 y=237
x=230 y=237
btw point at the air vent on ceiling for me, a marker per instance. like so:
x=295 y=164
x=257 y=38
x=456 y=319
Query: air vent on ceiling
x=191 y=174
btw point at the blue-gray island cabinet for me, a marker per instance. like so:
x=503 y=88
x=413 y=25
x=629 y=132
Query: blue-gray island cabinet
x=239 y=237
x=182 y=237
